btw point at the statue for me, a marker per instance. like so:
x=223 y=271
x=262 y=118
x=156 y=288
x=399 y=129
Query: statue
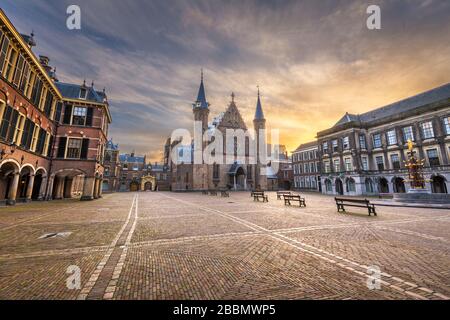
x=415 y=168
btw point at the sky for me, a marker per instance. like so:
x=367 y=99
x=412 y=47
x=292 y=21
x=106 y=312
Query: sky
x=313 y=60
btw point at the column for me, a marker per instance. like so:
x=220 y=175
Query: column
x=41 y=195
x=235 y=183
x=51 y=182
x=59 y=187
x=100 y=188
x=30 y=188
x=88 y=189
x=95 y=189
x=13 y=190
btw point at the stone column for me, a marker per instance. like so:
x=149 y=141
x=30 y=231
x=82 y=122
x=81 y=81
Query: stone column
x=51 y=182
x=30 y=188
x=13 y=190
x=100 y=188
x=59 y=188
x=42 y=194
x=95 y=194
x=88 y=189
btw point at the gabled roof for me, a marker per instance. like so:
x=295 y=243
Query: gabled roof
x=111 y=146
x=307 y=145
x=347 y=118
x=72 y=91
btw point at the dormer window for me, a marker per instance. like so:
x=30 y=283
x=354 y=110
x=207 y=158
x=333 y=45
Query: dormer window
x=83 y=93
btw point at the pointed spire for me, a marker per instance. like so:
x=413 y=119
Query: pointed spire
x=259 y=114
x=232 y=97
x=201 y=97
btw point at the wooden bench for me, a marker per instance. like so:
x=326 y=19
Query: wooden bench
x=224 y=194
x=289 y=198
x=342 y=202
x=280 y=194
x=213 y=193
x=259 y=195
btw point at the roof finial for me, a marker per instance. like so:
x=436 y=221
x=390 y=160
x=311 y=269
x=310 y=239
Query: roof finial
x=258 y=90
x=92 y=83
x=232 y=97
x=84 y=83
x=201 y=70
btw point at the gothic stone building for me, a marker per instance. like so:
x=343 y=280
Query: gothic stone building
x=240 y=175
x=365 y=154
x=51 y=134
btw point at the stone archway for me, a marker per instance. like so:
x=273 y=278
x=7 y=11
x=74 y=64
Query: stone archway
x=148 y=183
x=438 y=184
x=9 y=181
x=339 y=187
x=40 y=180
x=383 y=185
x=399 y=185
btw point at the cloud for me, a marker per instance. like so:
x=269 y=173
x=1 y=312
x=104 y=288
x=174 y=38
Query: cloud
x=314 y=60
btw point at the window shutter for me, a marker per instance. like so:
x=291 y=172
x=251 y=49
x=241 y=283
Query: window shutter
x=89 y=117
x=30 y=135
x=67 y=114
x=5 y=122
x=12 y=125
x=84 y=149
x=62 y=147
x=41 y=141
x=50 y=147
x=26 y=130
x=58 y=112
x=3 y=52
x=48 y=104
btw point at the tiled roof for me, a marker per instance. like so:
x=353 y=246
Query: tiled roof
x=111 y=146
x=435 y=95
x=306 y=145
x=72 y=91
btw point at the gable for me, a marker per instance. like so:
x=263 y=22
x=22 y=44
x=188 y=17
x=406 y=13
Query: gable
x=232 y=119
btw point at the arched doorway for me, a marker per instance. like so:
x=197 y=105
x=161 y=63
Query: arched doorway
x=24 y=181
x=9 y=177
x=328 y=185
x=399 y=185
x=105 y=186
x=339 y=187
x=438 y=184
x=134 y=186
x=383 y=185
x=148 y=186
x=38 y=184
x=240 y=179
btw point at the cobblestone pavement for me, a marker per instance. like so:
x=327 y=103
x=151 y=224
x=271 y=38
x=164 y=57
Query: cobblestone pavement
x=192 y=246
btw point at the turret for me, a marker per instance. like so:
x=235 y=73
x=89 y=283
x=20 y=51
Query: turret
x=201 y=106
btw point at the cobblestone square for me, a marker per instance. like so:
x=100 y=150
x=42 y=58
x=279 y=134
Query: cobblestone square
x=158 y=245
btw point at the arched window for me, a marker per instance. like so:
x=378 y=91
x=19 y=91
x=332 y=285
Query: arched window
x=350 y=185
x=328 y=185
x=369 y=185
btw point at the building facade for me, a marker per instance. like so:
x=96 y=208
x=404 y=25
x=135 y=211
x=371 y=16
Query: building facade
x=365 y=154
x=241 y=174
x=112 y=168
x=306 y=167
x=42 y=156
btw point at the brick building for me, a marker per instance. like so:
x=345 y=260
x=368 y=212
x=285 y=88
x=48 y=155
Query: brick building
x=306 y=167
x=51 y=134
x=112 y=168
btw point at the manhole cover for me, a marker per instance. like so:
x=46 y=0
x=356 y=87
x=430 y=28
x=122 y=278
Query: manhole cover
x=54 y=235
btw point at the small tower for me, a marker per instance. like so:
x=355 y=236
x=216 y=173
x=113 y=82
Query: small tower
x=201 y=106
x=259 y=123
x=201 y=114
